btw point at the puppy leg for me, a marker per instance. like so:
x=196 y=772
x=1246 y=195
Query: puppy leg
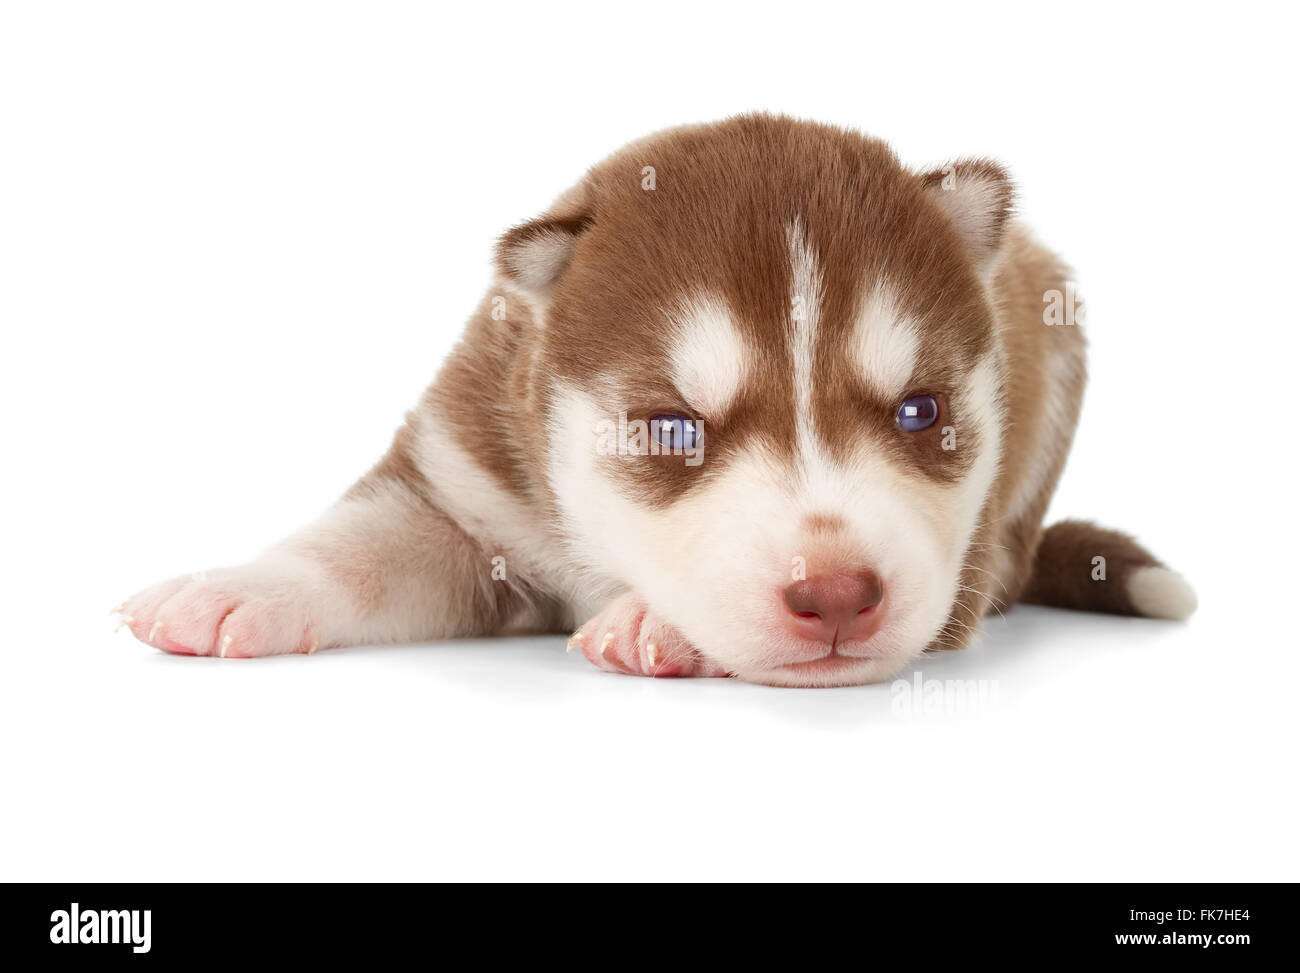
x=626 y=637
x=383 y=565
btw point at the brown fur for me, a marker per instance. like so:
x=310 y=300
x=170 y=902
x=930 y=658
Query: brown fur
x=717 y=223
x=1002 y=559
x=747 y=218
x=1064 y=568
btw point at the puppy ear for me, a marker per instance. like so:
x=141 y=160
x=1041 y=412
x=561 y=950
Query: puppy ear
x=976 y=195
x=535 y=254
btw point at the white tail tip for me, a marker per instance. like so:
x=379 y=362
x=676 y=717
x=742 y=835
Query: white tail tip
x=1157 y=592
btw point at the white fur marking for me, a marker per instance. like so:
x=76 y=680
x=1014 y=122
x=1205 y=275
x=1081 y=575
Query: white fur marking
x=708 y=356
x=805 y=309
x=1157 y=592
x=737 y=626
x=886 y=343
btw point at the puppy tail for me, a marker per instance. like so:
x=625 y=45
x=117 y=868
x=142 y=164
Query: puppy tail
x=1089 y=568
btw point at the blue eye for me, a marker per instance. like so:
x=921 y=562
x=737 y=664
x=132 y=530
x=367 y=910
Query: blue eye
x=918 y=412
x=675 y=432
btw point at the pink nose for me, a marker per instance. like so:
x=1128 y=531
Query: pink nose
x=835 y=608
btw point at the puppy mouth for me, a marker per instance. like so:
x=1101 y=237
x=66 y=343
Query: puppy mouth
x=832 y=661
x=830 y=670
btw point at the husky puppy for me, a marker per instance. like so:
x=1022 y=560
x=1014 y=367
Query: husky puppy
x=751 y=399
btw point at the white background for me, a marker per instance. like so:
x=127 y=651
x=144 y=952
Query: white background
x=237 y=239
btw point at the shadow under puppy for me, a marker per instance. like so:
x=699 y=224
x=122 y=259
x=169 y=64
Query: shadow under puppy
x=750 y=399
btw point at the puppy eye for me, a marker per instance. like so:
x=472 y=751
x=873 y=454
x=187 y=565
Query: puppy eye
x=675 y=432
x=918 y=412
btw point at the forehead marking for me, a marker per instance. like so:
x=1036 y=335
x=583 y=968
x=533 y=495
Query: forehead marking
x=805 y=309
x=708 y=355
x=885 y=342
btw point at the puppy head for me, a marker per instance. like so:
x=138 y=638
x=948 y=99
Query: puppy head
x=773 y=391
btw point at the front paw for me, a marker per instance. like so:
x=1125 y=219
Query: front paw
x=235 y=613
x=626 y=637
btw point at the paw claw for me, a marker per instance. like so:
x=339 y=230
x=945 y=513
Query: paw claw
x=625 y=637
x=245 y=612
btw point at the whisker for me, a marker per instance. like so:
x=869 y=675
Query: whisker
x=972 y=567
